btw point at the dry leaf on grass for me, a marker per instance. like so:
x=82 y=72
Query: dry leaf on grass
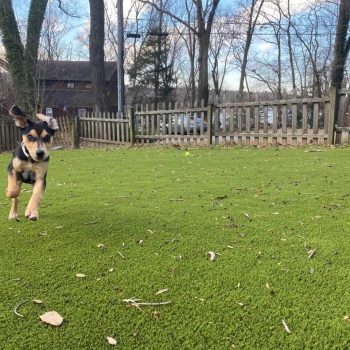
x=101 y=246
x=38 y=301
x=53 y=318
x=311 y=253
x=80 y=275
x=212 y=256
x=111 y=341
x=161 y=291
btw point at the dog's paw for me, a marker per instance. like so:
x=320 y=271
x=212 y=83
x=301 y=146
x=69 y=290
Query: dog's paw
x=13 y=216
x=32 y=215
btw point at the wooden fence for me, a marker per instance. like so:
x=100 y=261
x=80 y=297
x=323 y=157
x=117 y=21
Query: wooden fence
x=180 y=126
x=101 y=129
x=259 y=123
x=286 y=122
x=9 y=134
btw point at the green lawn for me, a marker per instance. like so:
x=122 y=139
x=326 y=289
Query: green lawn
x=262 y=211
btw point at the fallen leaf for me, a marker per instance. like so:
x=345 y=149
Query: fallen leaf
x=155 y=314
x=38 y=301
x=111 y=341
x=212 y=256
x=161 y=291
x=311 y=253
x=53 y=318
x=101 y=246
x=80 y=275
x=44 y=233
x=201 y=299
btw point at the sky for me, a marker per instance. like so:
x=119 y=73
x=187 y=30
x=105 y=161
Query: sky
x=21 y=9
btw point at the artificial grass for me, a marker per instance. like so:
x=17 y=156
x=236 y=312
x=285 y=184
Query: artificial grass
x=261 y=210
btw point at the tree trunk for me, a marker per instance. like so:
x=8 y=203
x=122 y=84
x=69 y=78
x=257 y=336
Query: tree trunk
x=35 y=21
x=342 y=45
x=203 y=85
x=96 y=47
x=341 y=51
x=22 y=60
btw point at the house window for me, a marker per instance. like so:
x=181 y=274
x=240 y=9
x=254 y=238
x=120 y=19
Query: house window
x=81 y=112
x=49 y=112
x=70 y=85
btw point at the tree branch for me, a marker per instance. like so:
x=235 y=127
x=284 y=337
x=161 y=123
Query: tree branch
x=65 y=11
x=170 y=14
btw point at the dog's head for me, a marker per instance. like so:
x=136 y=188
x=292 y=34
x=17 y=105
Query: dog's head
x=36 y=135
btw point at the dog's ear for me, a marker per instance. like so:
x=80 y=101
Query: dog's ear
x=50 y=121
x=21 y=120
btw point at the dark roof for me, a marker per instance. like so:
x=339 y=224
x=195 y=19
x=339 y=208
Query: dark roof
x=71 y=70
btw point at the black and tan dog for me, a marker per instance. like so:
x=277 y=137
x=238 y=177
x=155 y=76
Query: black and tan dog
x=30 y=161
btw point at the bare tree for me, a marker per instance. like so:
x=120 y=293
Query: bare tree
x=190 y=43
x=97 y=59
x=254 y=9
x=222 y=46
x=204 y=23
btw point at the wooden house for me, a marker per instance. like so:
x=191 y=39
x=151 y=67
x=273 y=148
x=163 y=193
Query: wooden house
x=65 y=87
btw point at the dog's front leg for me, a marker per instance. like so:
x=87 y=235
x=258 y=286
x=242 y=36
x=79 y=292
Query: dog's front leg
x=32 y=211
x=13 y=190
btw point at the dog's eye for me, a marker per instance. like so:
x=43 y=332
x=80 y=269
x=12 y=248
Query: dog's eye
x=47 y=138
x=31 y=138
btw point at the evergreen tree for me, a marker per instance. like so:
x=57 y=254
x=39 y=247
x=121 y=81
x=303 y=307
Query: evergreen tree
x=154 y=67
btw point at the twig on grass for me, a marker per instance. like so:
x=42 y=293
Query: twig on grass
x=286 y=327
x=121 y=254
x=36 y=301
x=17 y=307
x=137 y=303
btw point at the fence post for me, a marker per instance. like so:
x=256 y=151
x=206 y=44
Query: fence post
x=340 y=115
x=76 y=132
x=210 y=123
x=2 y=130
x=131 y=116
x=332 y=113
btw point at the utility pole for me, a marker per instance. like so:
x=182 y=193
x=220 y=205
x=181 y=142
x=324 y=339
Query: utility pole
x=120 y=59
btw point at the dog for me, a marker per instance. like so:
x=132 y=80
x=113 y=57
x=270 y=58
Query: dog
x=30 y=161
